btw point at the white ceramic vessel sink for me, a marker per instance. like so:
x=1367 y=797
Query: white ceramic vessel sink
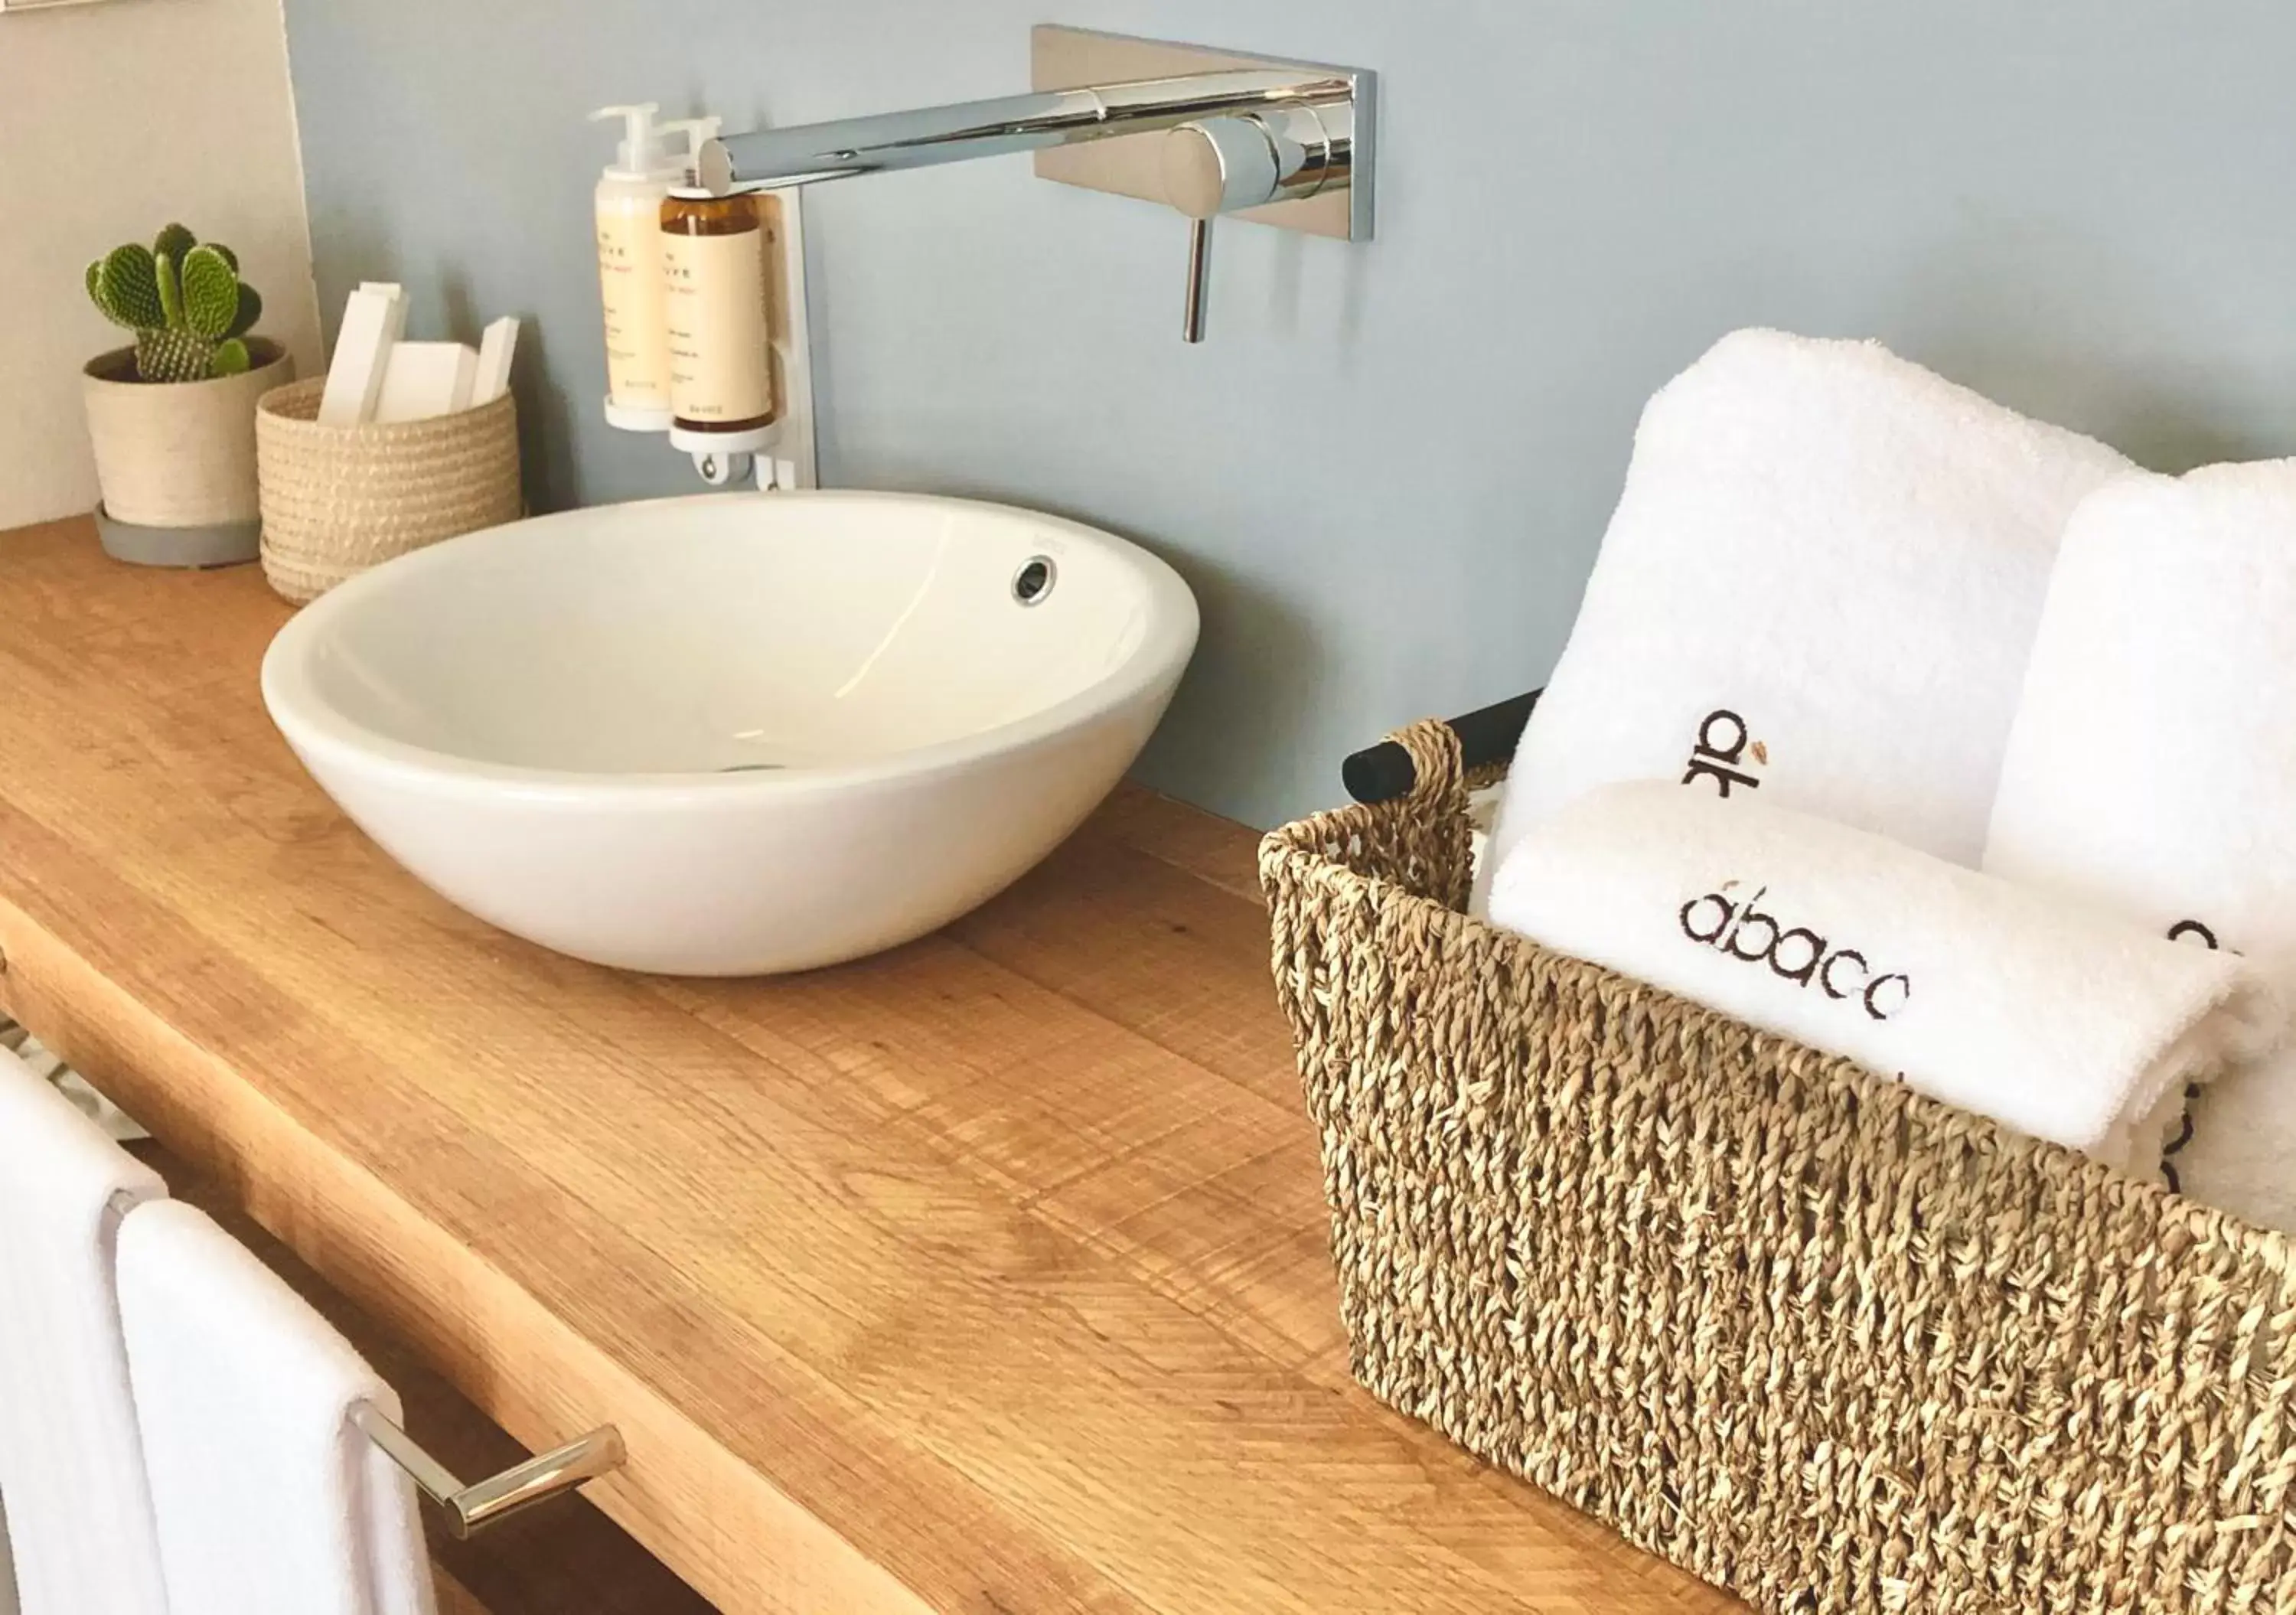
x=733 y=733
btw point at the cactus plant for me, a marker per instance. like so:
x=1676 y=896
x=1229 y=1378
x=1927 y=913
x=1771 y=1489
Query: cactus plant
x=184 y=302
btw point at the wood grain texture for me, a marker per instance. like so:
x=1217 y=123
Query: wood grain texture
x=989 y=1274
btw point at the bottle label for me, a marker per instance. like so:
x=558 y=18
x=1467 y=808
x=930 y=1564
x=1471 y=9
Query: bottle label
x=631 y=287
x=720 y=355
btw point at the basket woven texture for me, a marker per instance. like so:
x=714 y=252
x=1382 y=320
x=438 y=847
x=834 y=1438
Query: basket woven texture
x=338 y=500
x=1806 y=1333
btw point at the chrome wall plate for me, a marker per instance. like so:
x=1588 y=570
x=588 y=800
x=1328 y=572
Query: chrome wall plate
x=1071 y=58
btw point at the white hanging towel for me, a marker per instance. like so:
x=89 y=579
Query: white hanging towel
x=2052 y=1018
x=72 y=1467
x=2153 y=765
x=1820 y=585
x=268 y=1497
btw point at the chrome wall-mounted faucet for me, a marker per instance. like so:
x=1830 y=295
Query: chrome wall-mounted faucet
x=1210 y=133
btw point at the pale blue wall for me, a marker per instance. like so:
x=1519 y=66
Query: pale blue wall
x=1386 y=473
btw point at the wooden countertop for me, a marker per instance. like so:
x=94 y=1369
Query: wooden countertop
x=989 y=1276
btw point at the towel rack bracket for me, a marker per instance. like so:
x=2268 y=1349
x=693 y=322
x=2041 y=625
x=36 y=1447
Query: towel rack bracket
x=471 y=1508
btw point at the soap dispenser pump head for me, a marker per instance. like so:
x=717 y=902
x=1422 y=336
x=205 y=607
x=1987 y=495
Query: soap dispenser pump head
x=698 y=131
x=641 y=153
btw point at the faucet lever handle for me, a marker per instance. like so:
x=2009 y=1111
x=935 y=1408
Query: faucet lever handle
x=1222 y=165
x=1209 y=169
x=1200 y=269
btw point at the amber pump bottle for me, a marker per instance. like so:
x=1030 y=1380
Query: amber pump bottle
x=721 y=364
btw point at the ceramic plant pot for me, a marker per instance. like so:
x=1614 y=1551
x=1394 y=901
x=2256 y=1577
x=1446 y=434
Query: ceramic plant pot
x=176 y=459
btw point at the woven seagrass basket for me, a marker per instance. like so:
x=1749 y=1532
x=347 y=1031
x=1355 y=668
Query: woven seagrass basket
x=339 y=499
x=1810 y=1335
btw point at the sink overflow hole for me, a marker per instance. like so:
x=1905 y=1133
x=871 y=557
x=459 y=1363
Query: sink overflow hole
x=1035 y=580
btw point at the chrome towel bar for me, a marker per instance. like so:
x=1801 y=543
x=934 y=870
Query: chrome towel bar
x=474 y=1507
x=483 y=1503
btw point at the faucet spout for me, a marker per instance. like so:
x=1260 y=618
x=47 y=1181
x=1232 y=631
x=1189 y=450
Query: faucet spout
x=846 y=147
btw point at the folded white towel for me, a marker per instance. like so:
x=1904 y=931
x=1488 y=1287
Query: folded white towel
x=2153 y=765
x=2050 y=1017
x=1821 y=585
x=80 y=1517
x=268 y=1498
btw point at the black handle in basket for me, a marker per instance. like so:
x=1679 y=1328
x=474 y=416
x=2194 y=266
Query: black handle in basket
x=1488 y=734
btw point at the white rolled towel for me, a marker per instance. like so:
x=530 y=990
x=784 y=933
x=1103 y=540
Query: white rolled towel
x=1821 y=584
x=2153 y=765
x=2052 y=1018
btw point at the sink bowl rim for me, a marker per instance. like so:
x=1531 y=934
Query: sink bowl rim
x=315 y=725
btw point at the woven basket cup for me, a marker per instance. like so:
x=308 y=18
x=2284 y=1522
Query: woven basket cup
x=1810 y=1334
x=339 y=499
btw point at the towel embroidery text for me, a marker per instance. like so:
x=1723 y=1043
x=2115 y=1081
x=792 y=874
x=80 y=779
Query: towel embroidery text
x=2183 y=928
x=1714 y=759
x=1798 y=954
x=2181 y=931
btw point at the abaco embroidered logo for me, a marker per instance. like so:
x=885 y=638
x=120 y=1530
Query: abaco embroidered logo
x=2193 y=928
x=2185 y=931
x=1720 y=754
x=1798 y=954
